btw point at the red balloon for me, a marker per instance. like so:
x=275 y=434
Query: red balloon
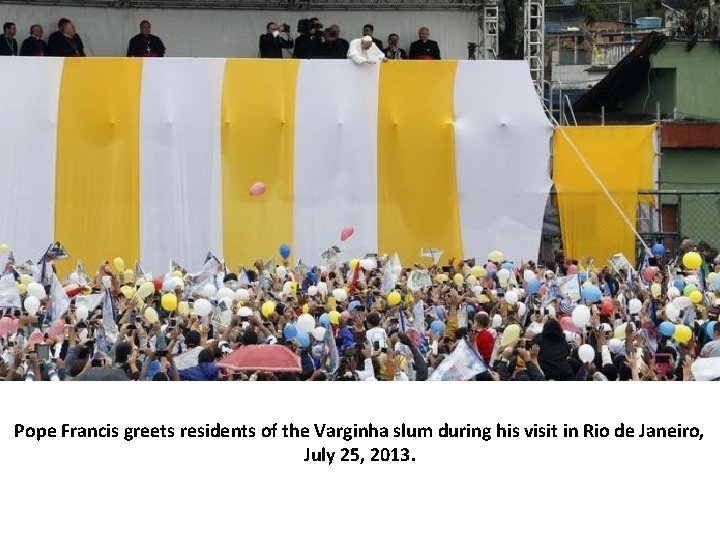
x=649 y=273
x=257 y=189
x=567 y=324
x=347 y=232
x=606 y=307
x=158 y=282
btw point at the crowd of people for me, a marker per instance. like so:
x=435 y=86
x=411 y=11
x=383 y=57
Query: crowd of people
x=313 y=41
x=369 y=319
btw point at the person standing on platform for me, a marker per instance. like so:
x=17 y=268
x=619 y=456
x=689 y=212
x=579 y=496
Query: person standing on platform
x=34 y=45
x=341 y=43
x=145 y=44
x=307 y=44
x=364 y=51
x=273 y=42
x=65 y=42
x=368 y=30
x=331 y=48
x=8 y=43
x=424 y=48
x=393 y=51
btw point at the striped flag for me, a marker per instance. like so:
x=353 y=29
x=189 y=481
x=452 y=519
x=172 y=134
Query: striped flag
x=460 y=365
x=332 y=360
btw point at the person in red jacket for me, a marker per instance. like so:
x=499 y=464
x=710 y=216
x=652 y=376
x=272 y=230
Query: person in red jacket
x=484 y=340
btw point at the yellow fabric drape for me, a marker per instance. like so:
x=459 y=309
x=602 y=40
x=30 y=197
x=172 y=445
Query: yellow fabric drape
x=97 y=167
x=623 y=158
x=417 y=191
x=258 y=131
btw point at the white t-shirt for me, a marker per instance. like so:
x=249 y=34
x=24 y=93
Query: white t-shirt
x=377 y=335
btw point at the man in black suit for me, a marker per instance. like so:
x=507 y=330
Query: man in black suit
x=393 y=51
x=424 y=48
x=146 y=45
x=65 y=42
x=8 y=43
x=272 y=42
x=369 y=30
x=342 y=44
x=34 y=45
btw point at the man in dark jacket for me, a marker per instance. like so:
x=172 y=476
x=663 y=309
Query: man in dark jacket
x=34 y=45
x=145 y=44
x=554 y=352
x=272 y=42
x=369 y=30
x=306 y=45
x=65 y=42
x=424 y=48
x=8 y=43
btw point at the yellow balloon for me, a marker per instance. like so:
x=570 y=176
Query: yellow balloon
x=394 y=298
x=176 y=273
x=682 y=334
x=354 y=263
x=26 y=279
x=129 y=276
x=183 y=308
x=22 y=288
x=696 y=297
x=692 y=260
x=306 y=308
x=620 y=332
x=145 y=290
x=268 y=308
x=151 y=315
x=510 y=335
x=140 y=281
x=127 y=291
x=655 y=290
x=495 y=256
x=331 y=303
x=441 y=278
x=478 y=272
x=334 y=317
x=458 y=279
x=472 y=280
x=4 y=248
x=119 y=264
x=169 y=302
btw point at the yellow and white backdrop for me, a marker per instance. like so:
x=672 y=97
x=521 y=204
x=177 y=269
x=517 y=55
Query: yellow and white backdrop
x=152 y=159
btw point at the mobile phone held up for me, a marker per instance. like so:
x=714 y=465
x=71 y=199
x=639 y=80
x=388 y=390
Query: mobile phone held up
x=43 y=351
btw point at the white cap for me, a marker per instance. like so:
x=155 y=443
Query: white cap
x=366 y=38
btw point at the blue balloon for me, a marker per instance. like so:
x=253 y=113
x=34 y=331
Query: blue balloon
x=290 y=332
x=591 y=294
x=533 y=287
x=284 y=251
x=324 y=320
x=470 y=309
x=679 y=285
x=439 y=312
x=710 y=328
x=658 y=250
x=667 y=328
x=437 y=327
x=583 y=277
x=715 y=284
x=352 y=305
x=168 y=285
x=508 y=266
x=303 y=338
x=491 y=271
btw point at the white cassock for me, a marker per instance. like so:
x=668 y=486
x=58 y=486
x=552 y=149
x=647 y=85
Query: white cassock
x=362 y=56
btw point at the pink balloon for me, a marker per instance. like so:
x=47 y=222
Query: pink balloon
x=35 y=337
x=572 y=270
x=649 y=273
x=56 y=329
x=257 y=189
x=491 y=267
x=347 y=232
x=567 y=324
x=6 y=325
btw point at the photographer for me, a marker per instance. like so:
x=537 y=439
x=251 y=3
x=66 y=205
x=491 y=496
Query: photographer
x=272 y=42
x=309 y=40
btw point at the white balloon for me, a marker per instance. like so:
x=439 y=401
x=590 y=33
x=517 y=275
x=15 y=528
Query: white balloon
x=522 y=309
x=243 y=295
x=503 y=274
x=322 y=288
x=82 y=312
x=287 y=288
x=306 y=323
x=368 y=264
x=312 y=290
x=178 y=281
x=511 y=297
x=671 y=312
x=529 y=275
x=673 y=292
x=74 y=278
x=496 y=321
x=106 y=282
x=681 y=302
x=581 y=315
x=281 y=272
x=635 y=306
x=586 y=353
x=477 y=290
x=225 y=292
x=319 y=333
x=245 y=311
x=36 y=290
x=551 y=312
x=209 y=290
x=521 y=293
x=32 y=305
x=202 y=307
x=340 y=295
